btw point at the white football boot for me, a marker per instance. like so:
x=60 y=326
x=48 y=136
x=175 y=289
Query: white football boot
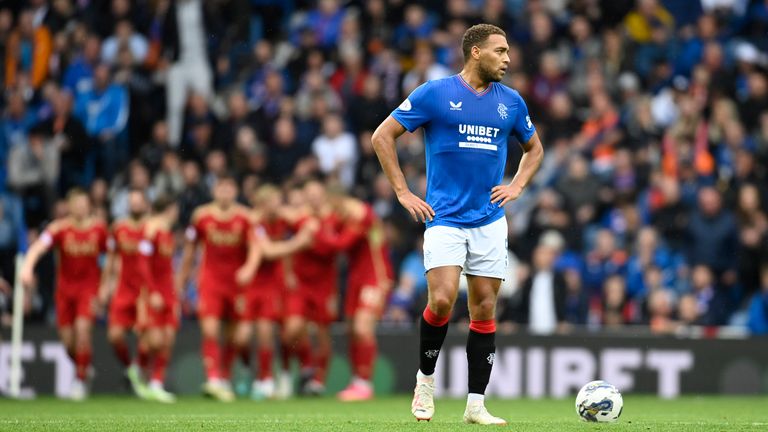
x=476 y=413
x=423 y=405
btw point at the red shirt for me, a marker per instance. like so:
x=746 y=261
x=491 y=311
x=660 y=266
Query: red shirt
x=77 y=251
x=271 y=273
x=369 y=262
x=225 y=237
x=125 y=240
x=315 y=267
x=161 y=246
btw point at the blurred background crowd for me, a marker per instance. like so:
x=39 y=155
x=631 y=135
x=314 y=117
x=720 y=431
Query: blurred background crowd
x=649 y=209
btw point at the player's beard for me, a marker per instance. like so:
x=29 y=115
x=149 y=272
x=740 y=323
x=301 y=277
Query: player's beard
x=135 y=215
x=487 y=74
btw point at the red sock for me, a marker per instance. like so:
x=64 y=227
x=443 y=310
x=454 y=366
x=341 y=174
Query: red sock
x=160 y=365
x=143 y=356
x=322 y=359
x=265 y=363
x=227 y=360
x=211 y=358
x=82 y=362
x=122 y=352
x=304 y=353
x=285 y=357
x=365 y=358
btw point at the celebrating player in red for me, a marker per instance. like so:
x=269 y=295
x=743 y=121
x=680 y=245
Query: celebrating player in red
x=123 y=259
x=79 y=240
x=369 y=281
x=268 y=291
x=228 y=263
x=161 y=317
x=315 y=298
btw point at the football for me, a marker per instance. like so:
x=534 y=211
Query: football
x=599 y=401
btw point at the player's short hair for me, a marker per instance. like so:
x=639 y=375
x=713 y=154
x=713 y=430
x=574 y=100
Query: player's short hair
x=226 y=177
x=162 y=203
x=264 y=192
x=76 y=192
x=477 y=35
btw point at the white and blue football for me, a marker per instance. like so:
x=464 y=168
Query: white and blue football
x=599 y=401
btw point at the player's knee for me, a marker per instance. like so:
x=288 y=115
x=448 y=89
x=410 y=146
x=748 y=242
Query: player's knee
x=484 y=310
x=441 y=305
x=115 y=335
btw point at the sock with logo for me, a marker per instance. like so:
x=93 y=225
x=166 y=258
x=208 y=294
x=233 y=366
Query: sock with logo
x=431 y=338
x=481 y=353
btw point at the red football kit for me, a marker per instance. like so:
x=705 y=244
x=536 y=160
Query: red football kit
x=125 y=240
x=78 y=275
x=370 y=268
x=266 y=295
x=225 y=237
x=158 y=248
x=315 y=268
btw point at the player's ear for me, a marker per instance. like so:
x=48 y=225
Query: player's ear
x=475 y=52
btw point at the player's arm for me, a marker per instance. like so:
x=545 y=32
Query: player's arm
x=533 y=154
x=38 y=248
x=191 y=240
x=247 y=271
x=272 y=250
x=107 y=273
x=384 y=144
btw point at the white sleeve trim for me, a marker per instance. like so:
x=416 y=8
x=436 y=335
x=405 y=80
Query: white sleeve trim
x=46 y=239
x=191 y=233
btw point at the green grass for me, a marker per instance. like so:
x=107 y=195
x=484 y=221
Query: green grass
x=641 y=413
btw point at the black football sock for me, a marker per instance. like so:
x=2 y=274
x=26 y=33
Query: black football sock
x=481 y=353
x=431 y=338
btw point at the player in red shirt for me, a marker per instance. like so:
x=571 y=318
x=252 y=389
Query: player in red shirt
x=224 y=231
x=126 y=299
x=160 y=319
x=315 y=299
x=369 y=282
x=79 y=240
x=266 y=296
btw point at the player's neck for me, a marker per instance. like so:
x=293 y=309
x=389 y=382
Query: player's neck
x=79 y=222
x=473 y=79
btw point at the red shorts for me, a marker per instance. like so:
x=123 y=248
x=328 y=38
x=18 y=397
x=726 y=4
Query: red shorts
x=169 y=315
x=318 y=307
x=221 y=304
x=371 y=297
x=265 y=304
x=124 y=307
x=72 y=304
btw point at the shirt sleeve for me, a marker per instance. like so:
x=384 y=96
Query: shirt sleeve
x=415 y=109
x=523 y=129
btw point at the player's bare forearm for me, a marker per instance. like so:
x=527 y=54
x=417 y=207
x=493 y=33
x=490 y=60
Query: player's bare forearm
x=33 y=255
x=106 y=277
x=529 y=164
x=185 y=268
x=383 y=140
x=276 y=250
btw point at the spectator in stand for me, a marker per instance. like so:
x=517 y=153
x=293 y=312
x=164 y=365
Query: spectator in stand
x=758 y=306
x=581 y=190
x=72 y=142
x=195 y=191
x=617 y=309
x=424 y=69
x=713 y=237
x=649 y=15
x=185 y=33
x=661 y=308
x=124 y=37
x=753 y=237
x=336 y=151
x=27 y=52
x=604 y=260
x=541 y=299
x=104 y=111
x=78 y=76
x=168 y=180
x=649 y=253
x=136 y=178
x=412 y=286
x=714 y=305
x=33 y=170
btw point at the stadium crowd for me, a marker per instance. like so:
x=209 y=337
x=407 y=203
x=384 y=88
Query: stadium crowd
x=651 y=206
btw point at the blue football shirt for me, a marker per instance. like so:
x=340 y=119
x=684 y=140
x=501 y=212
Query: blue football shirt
x=465 y=134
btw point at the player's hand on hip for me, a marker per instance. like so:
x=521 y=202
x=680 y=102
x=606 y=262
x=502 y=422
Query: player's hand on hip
x=419 y=210
x=503 y=194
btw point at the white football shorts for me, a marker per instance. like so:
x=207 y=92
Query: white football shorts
x=480 y=251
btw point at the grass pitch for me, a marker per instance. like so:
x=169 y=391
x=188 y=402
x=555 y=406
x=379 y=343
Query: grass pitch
x=641 y=413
